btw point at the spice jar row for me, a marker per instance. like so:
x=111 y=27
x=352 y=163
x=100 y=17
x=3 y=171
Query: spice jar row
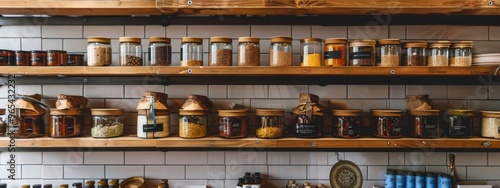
x=39 y=58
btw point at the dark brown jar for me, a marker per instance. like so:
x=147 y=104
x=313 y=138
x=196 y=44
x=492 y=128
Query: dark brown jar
x=7 y=58
x=38 y=58
x=346 y=123
x=56 y=58
x=233 y=123
x=75 y=60
x=65 y=123
x=424 y=123
x=31 y=125
x=23 y=58
x=458 y=123
x=387 y=123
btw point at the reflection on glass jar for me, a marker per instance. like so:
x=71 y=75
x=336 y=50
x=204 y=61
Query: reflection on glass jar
x=424 y=123
x=30 y=125
x=280 y=51
x=346 y=123
x=270 y=123
x=308 y=127
x=7 y=58
x=459 y=122
x=191 y=51
x=233 y=123
x=192 y=124
x=65 y=123
x=387 y=123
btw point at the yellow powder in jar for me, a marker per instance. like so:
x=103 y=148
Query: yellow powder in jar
x=192 y=130
x=311 y=60
x=269 y=132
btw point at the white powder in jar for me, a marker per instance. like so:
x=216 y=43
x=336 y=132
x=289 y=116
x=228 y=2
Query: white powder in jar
x=142 y=120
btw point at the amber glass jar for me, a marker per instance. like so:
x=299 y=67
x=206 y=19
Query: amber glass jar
x=347 y=123
x=458 y=123
x=23 y=58
x=248 y=51
x=387 y=123
x=38 y=58
x=57 y=58
x=31 y=125
x=75 y=60
x=424 y=124
x=66 y=123
x=233 y=123
x=270 y=123
x=192 y=123
x=7 y=58
x=335 y=52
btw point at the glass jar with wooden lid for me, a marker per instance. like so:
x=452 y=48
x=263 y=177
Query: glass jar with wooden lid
x=3 y=122
x=248 y=51
x=461 y=54
x=438 y=53
x=270 y=123
x=75 y=60
x=280 y=51
x=98 y=51
x=413 y=53
x=7 y=58
x=387 y=123
x=490 y=124
x=65 y=122
x=192 y=123
x=23 y=58
x=458 y=123
x=233 y=123
x=424 y=124
x=107 y=122
x=335 y=52
x=362 y=53
x=130 y=51
x=160 y=51
x=38 y=58
x=390 y=50
x=191 y=51
x=31 y=124
x=57 y=58
x=220 y=52
x=347 y=123
x=310 y=52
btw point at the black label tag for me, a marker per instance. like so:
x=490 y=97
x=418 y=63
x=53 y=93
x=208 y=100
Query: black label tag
x=360 y=55
x=147 y=128
x=498 y=130
x=332 y=55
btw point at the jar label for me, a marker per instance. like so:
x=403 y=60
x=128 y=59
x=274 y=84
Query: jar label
x=360 y=55
x=333 y=55
x=307 y=129
x=147 y=128
x=1 y=58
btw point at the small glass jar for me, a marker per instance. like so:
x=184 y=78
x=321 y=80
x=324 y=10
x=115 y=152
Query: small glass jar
x=220 y=51
x=280 y=51
x=461 y=54
x=130 y=51
x=191 y=51
x=75 y=60
x=335 y=52
x=347 y=123
x=248 y=51
x=160 y=51
x=310 y=52
x=107 y=123
x=490 y=124
x=438 y=54
x=98 y=51
x=458 y=123
x=153 y=126
x=424 y=123
x=308 y=127
x=390 y=50
x=233 y=123
x=38 y=58
x=362 y=53
x=57 y=58
x=65 y=123
x=3 y=122
x=413 y=53
x=270 y=123
x=192 y=123
x=30 y=125
x=7 y=58
x=387 y=123
x=23 y=58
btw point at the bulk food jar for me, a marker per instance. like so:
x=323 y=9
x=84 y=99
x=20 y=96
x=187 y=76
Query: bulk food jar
x=233 y=123
x=98 y=51
x=38 y=58
x=130 y=51
x=65 y=122
x=362 y=53
x=461 y=54
x=280 y=51
x=438 y=54
x=413 y=53
x=153 y=119
x=191 y=51
x=424 y=124
x=490 y=124
x=107 y=122
x=335 y=52
x=387 y=123
x=390 y=51
x=193 y=117
x=30 y=112
x=310 y=52
x=308 y=116
x=220 y=51
x=7 y=58
x=347 y=123
x=248 y=51
x=57 y=58
x=270 y=123
x=458 y=123
x=160 y=51
x=23 y=58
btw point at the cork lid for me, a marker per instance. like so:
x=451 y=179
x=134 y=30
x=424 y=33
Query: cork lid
x=458 y=112
x=281 y=39
x=307 y=40
x=388 y=41
x=423 y=112
x=490 y=113
x=249 y=39
x=391 y=113
x=415 y=44
x=365 y=42
x=159 y=39
x=233 y=113
x=269 y=112
x=221 y=39
x=439 y=44
x=462 y=44
x=353 y=112
x=192 y=39
x=335 y=41
x=192 y=112
x=89 y=183
x=98 y=39
x=130 y=40
x=66 y=112
x=63 y=186
x=107 y=112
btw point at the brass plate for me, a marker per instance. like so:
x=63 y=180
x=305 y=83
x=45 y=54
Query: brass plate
x=346 y=174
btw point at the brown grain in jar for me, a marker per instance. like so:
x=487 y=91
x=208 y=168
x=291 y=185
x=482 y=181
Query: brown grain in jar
x=248 y=51
x=362 y=53
x=280 y=51
x=38 y=58
x=7 y=58
x=23 y=58
x=75 y=60
x=220 y=51
x=233 y=123
x=56 y=58
x=413 y=53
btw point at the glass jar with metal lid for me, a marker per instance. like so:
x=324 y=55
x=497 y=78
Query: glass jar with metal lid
x=160 y=51
x=65 y=123
x=413 y=53
x=233 y=123
x=248 y=51
x=191 y=51
x=107 y=122
x=347 y=123
x=98 y=51
x=310 y=52
x=390 y=50
x=362 y=53
x=270 y=123
x=438 y=54
x=461 y=54
x=387 y=123
x=458 y=123
x=490 y=124
x=220 y=51
x=192 y=123
x=424 y=123
x=130 y=51
x=38 y=58
x=335 y=52
x=57 y=58
x=280 y=51
x=23 y=58
x=7 y=58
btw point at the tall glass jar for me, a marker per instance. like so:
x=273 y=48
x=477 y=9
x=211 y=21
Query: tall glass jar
x=130 y=51
x=280 y=51
x=248 y=51
x=461 y=54
x=153 y=124
x=414 y=53
x=390 y=50
x=57 y=58
x=98 y=51
x=387 y=123
x=160 y=51
x=23 y=58
x=220 y=51
x=192 y=123
x=362 y=53
x=38 y=58
x=7 y=58
x=65 y=123
x=107 y=122
x=347 y=123
x=270 y=123
x=458 y=123
x=335 y=52
x=310 y=52
x=490 y=124
x=424 y=123
x=437 y=53
x=191 y=51
x=233 y=123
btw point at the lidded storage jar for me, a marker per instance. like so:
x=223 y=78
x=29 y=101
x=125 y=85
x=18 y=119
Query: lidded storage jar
x=347 y=123
x=437 y=53
x=98 y=51
x=23 y=58
x=233 y=123
x=458 y=123
x=193 y=117
x=270 y=123
x=191 y=51
x=414 y=53
x=130 y=51
x=424 y=124
x=461 y=54
x=335 y=52
x=308 y=116
x=280 y=51
x=57 y=58
x=387 y=123
x=31 y=122
x=248 y=51
x=310 y=52
x=390 y=51
x=220 y=52
x=107 y=122
x=65 y=122
x=160 y=51
x=153 y=119
x=490 y=124
x=7 y=58
x=38 y=58
x=362 y=53
x=75 y=60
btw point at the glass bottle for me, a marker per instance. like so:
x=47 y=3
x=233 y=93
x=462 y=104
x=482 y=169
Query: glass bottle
x=270 y=123
x=25 y=186
x=387 y=123
x=164 y=183
x=107 y=122
x=220 y=51
x=98 y=51
x=347 y=123
x=335 y=52
x=102 y=184
x=305 y=184
x=310 y=52
x=290 y=182
x=192 y=123
x=280 y=51
x=130 y=51
x=413 y=53
x=191 y=51
x=77 y=185
x=36 y=186
x=362 y=53
x=248 y=51
x=461 y=54
x=390 y=51
x=247 y=183
x=112 y=184
x=47 y=186
x=233 y=123
x=160 y=51
x=438 y=54
x=257 y=180
x=38 y=58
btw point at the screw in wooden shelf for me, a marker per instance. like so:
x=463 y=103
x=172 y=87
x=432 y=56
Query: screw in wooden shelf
x=189 y=2
x=486 y=144
x=393 y=71
x=211 y=142
x=314 y=144
x=256 y=141
x=491 y=3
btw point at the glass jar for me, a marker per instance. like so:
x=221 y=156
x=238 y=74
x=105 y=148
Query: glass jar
x=23 y=58
x=390 y=51
x=362 y=53
x=130 y=51
x=335 y=52
x=461 y=54
x=437 y=53
x=248 y=51
x=98 y=51
x=57 y=58
x=3 y=122
x=107 y=123
x=490 y=124
x=160 y=51
x=220 y=51
x=387 y=123
x=191 y=51
x=413 y=53
x=424 y=123
x=233 y=123
x=280 y=51
x=310 y=52
x=7 y=58
x=65 y=123
x=308 y=127
x=30 y=125
x=347 y=123
x=151 y=125
x=75 y=60
x=270 y=123
x=192 y=123
x=38 y=58
x=458 y=123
